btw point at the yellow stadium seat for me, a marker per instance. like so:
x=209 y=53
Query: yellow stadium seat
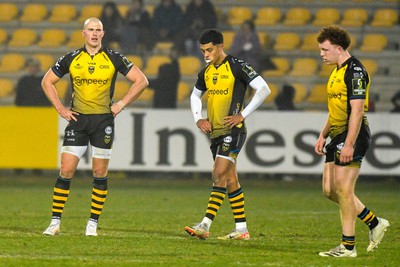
x=326 y=16
x=385 y=17
x=75 y=40
x=6 y=87
x=286 y=41
x=154 y=62
x=318 y=94
x=373 y=42
x=282 y=66
x=123 y=10
x=189 y=65
x=310 y=42
x=8 y=12
x=23 y=38
x=121 y=88
x=146 y=98
x=274 y=92
x=3 y=36
x=325 y=70
x=353 y=41
x=90 y=10
x=12 y=62
x=163 y=47
x=184 y=91
x=297 y=16
x=268 y=16
x=301 y=92
x=238 y=14
x=62 y=87
x=370 y=65
x=150 y=9
x=46 y=61
x=52 y=38
x=354 y=17
x=263 y=37
x=63 y=13
x=34 y=13
x=136 y=60
x=228 y=39
x=304 y=67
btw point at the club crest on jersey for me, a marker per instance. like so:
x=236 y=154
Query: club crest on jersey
x=215 y=79
x=91 y=69
x=107 y=139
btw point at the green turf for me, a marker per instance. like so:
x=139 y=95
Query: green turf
x=143 y=220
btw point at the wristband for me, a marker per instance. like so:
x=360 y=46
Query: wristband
x=121 y=104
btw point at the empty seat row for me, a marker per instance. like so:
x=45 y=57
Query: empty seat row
x=7 y=87
x=289 y=41
x=59 y=13
x=15 y=62
x=307 y=67
x=284 y=41
x=300 y=16
x=266 y=16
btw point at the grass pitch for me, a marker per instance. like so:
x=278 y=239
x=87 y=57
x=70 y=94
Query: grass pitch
x=144 y=218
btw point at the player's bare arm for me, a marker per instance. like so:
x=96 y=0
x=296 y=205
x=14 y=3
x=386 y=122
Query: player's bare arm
x=320 y=144
x=355 y=119
x=48 y=82
x=139 y=83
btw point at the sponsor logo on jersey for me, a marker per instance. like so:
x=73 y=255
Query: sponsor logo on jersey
x=78 y=66
x=359 y=86
x=79 y=82
x=218 y=92
x=334 y=95
x=249 y=70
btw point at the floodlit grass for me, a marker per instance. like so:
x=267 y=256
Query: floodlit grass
x=143 y=220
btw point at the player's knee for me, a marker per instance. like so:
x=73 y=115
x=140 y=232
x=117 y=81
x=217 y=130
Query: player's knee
x=219 y=176
x=216 y=178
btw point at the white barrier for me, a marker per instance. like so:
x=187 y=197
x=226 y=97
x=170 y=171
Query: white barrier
x=277 y=142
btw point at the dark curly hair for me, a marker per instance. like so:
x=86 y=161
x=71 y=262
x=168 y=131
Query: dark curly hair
x=211 y=36
x=336 y=35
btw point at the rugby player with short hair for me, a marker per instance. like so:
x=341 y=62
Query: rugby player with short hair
x=348 y=130
x=93 y=70
x=225 y=80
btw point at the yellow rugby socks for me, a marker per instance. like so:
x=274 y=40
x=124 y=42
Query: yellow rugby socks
x=60 y=196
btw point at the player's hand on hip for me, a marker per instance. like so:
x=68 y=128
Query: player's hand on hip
x=232 y=121
x=68 y=114
x=204 y=125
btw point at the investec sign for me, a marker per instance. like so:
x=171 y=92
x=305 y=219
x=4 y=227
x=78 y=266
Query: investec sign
x=168 y=140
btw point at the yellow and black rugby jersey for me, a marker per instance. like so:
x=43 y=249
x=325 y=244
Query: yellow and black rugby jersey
x=350 y=81
x=92 y=78
x=225 y=86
